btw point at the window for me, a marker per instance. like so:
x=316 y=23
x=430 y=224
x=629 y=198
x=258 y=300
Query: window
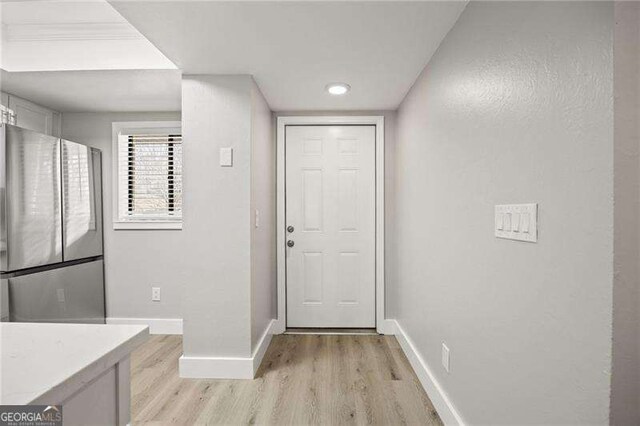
x=148 y=160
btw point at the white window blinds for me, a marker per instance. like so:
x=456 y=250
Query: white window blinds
x=150 y=177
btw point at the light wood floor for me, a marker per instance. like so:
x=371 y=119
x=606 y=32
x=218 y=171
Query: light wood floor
x=304 y=379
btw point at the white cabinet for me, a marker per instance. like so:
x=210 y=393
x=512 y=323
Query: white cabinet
x=85 y=368
x=95 y=404
x=35 y=117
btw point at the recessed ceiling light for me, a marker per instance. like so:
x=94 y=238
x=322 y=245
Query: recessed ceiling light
x=338 y=88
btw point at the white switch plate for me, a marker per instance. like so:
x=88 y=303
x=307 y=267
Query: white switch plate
x=257 y=221
x=155 y=294
x=445 y=357
x=61 y=296
x=226 y=157
x=517 y=222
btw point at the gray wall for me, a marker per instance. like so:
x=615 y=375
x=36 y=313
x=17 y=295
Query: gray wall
x=263 y=199
x=134 y=260
x=219 y=265
x=625 y=381
x=516 y=106
x=216 y=113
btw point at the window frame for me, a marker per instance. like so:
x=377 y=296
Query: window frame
x=160 y=127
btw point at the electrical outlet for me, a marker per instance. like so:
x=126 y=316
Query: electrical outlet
x=61 y=296
x=155 y=294
x=445 y=357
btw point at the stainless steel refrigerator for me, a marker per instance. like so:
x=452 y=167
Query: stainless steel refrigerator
x=51 y=264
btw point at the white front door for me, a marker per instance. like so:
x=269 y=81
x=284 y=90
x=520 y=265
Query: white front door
x=330 y=218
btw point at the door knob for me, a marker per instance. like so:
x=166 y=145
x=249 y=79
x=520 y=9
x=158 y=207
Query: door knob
x=290 y=243
x=290 y=229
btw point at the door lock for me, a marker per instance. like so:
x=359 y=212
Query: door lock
x=290 y=229
x=290 y=243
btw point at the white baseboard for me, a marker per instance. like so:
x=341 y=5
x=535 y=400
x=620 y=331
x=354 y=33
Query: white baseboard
x=279 y=327
x=156 y=325
x=439 y=398
x=197 y=367
x=387 y=326
x=262 y=346
x=193 y=367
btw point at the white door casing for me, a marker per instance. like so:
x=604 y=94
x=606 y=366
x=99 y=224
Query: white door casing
x=331 y=205
x=384 y=325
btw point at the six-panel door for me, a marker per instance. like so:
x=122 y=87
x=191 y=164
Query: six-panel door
x=330 y=203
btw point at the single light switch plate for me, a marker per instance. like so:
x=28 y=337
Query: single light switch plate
x=445 y=357
x=257 y=221
x=517 y=222
x=226 y=157
x=155 y=294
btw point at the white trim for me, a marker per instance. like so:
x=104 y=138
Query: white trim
x=441 y=401
x=200 y=367
x=71 y=31
x=156 y=325
x=378 y=121
x=147 y=225
x=118 y=127
x=196 y=367
x=261 y=348
x=388 y=326
x=331 y=333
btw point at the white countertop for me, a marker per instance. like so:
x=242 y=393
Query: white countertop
x=39 y=360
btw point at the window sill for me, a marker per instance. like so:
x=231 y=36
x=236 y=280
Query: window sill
x=157 y=225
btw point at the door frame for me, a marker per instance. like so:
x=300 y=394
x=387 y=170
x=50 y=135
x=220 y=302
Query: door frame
x=383 y=326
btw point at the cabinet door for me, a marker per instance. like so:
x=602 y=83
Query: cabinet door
x=81 y=200
x=96 y=404
x=31 y=116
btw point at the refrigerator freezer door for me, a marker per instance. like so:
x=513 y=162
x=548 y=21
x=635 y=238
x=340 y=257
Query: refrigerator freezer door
x=81 y=201
x=70 y=294
x=30 y=214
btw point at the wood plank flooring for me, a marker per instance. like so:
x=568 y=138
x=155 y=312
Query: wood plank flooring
x=303 y=379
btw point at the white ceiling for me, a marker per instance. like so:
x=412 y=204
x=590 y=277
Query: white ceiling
x=54 y=35
x=80 y=91
x=293 y=49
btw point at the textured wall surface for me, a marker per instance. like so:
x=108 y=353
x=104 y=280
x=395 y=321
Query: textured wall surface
x=516 y=106
x=625 y=380
x=134 y=260
x=263 y=199
x=216 y=113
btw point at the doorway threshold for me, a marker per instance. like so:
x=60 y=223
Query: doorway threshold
x=332 y=331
